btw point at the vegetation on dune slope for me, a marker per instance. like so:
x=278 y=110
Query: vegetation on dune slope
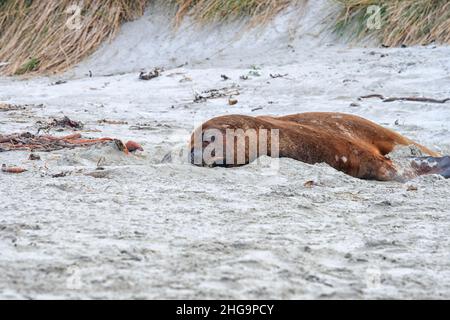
x=402 y=22
x=217 y=10
x=42 y=37
x=46 y=36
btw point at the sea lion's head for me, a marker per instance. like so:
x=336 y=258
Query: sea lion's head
x=229 y=141
x=207 y=145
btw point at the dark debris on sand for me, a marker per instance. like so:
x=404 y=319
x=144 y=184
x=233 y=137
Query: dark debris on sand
x=47 y=143
x=10 y=107
x=64 y=123
x=6 y=107
x=44 y=143
x=217 y=93
x=155 y=73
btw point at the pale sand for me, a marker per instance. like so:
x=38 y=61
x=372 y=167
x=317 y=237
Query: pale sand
x=142 y=229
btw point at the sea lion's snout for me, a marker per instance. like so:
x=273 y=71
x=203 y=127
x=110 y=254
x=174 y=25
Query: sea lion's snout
x=197 y=158
x=202 y=157
x=192 y=157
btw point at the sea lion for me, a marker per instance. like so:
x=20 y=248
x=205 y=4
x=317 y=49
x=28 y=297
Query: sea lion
x=348 y=143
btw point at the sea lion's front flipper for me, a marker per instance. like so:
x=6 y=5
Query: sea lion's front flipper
x=432 y=165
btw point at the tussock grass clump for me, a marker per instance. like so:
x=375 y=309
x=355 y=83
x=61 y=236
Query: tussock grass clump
x=408 y=22
x=259 y=11
x=43 y=36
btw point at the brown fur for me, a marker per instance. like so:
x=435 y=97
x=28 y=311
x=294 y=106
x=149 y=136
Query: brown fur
x=348 y=143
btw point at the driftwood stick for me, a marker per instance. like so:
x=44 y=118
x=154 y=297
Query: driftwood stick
x=372 y=96
x=416 y=99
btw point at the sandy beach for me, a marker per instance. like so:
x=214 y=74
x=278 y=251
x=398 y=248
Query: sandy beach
x=145 y=229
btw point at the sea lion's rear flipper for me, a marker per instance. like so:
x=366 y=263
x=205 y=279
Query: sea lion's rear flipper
x=432 y=165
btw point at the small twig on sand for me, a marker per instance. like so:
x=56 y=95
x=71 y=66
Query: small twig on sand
x=216 y=93
x=278 y=75
x=56 y=83
x=61 y=174
x=416 y=99
x=106 y=121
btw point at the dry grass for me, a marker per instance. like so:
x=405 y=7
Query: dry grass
x=34 y=37
x=408 y=22
x=259 y=11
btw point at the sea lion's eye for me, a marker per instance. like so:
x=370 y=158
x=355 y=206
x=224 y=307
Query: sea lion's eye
x=213 y=138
